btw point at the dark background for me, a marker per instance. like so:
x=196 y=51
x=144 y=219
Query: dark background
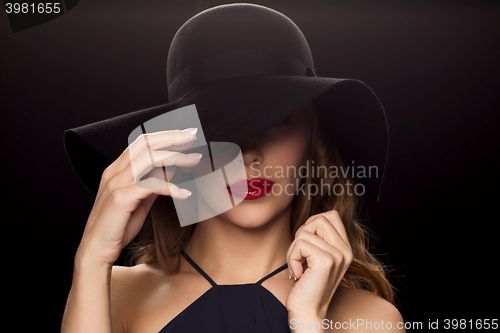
x=435 y=65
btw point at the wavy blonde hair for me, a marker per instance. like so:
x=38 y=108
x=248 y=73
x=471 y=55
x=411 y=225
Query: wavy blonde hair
x=162 y=238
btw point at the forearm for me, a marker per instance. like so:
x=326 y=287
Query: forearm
x=88 y=305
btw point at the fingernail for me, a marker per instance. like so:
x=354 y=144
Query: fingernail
x=189 y=131
x=295 y=278
x=195 y=155
x=186 y=192
x=289 y=276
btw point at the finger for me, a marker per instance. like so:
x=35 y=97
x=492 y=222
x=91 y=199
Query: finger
x=151 y=142
x=158 y=186
x=321 y=243
x=125 y=200
x=158 y=159
x=163 y=168
x=322 y=227
x=143 y=189
x=333 y=217
x=169 y=139
x=316 y=258
x=164 y=140
x=125 y=178
x=159 y=176
x=338 y=250
x=145 y=162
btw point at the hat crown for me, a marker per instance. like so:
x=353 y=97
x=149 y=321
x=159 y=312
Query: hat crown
x=226 y=29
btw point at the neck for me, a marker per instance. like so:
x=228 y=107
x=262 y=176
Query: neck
x=231 y=254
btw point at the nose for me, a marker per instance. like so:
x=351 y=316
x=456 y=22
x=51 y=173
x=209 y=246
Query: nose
x=251 y=153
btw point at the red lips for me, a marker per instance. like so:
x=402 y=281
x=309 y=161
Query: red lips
x=251 y=189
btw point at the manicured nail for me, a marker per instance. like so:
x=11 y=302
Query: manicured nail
x=289 y=276
x=189 y=131
x=186 y=192
x=295 y=278
x=195 y=155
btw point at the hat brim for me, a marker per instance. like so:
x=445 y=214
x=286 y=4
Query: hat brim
x=236 y=109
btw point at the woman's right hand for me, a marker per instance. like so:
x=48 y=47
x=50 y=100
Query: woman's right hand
x=121 y=205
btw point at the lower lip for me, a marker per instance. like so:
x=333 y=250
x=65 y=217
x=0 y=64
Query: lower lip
x=252 y=193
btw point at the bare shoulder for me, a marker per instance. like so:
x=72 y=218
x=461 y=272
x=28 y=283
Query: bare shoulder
x=356 y=309
x=139 y=276
x=129 y=290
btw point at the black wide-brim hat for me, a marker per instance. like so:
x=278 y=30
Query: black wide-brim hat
x=245 y=67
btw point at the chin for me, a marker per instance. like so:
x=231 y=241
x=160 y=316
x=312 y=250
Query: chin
x=254 y=213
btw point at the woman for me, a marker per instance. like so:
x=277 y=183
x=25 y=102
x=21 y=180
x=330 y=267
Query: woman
x=287 y=260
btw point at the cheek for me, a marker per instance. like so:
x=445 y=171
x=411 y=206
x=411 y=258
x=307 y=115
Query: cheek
x=288 y=155
x=292 y=151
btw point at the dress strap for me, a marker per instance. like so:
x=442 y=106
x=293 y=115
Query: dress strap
x=205 y=275
x=198 y=268
x=276 y=271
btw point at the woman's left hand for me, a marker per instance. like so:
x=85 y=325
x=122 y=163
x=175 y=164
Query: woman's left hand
x=323 y=242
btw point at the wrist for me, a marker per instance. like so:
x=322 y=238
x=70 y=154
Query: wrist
x=92 y=264
x=94 y=254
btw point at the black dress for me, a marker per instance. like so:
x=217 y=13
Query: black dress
x=236 y=308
